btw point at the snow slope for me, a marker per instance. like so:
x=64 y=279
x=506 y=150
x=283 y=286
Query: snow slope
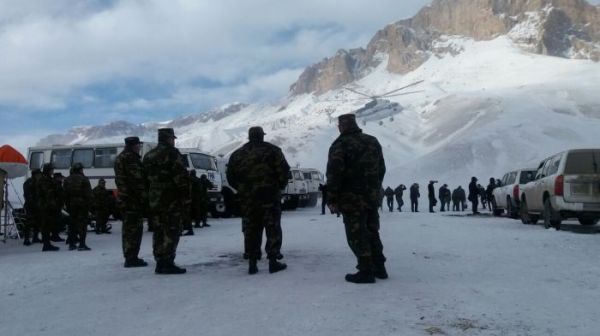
x=489 y=108
x=448 y=276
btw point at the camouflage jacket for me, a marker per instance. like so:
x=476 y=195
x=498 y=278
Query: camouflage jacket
x=259 y=171
x=78 y=192
x=168 y=180
x=101 y=199
x=355 y=170
x=200 y=189
x=131 y=181
x=46 y=195
x=29 y=194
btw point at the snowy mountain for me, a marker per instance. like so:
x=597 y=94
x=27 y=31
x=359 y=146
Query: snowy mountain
x=506 y=83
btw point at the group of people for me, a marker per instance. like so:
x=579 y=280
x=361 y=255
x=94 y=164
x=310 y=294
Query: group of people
x=157 y=187
x=46 y=195
x=458 y=197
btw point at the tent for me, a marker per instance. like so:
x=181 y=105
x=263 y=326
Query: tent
x=12 y=162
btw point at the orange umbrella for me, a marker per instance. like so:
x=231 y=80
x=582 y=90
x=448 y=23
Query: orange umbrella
x=12 y=162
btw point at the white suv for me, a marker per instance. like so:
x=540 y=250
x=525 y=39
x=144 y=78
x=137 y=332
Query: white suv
x=507 y=194
x=566 y=185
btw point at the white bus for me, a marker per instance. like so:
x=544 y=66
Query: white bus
x=98 y=162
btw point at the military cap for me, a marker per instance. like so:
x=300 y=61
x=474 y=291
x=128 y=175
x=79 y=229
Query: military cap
x=255 y=131
x=77 y=166
x=166 y=133
x=101 y=180
x=347 y=119
x=132 y=141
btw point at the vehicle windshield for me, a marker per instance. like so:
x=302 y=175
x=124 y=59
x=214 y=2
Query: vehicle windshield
x=297 y=175
x=203 y=161
x=587 y=162
x=527 y=176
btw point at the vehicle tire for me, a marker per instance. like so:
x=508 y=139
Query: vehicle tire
x=588 y=221
x=524 y=213
x=551 y=219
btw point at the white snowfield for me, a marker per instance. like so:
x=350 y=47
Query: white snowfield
x=449 y=275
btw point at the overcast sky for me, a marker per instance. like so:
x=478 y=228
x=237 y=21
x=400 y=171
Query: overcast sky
x=68 y=62
x=65 y=63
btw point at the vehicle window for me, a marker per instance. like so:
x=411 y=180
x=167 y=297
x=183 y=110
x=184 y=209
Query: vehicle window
x=297 y=175
x=527 y=176
x=306 y=176
x=61 y=158
x=84 y=156
x=315 y=176
x=540 y=170
x=105 y=157
x=36 y=160
x=203 y=161
x=583 y=163
x=553 y=165
x=512 y=178
x=504 y=179
x=184 y=158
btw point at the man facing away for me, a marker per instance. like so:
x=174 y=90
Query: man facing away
x=259 y=171
x=355 y=172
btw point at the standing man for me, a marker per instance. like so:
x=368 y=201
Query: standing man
x=46 y=196
x=78 y=198
x=443 y=196
x=259 y=171
x=389 y=197
x=399 y=192
x=101 y=206
x=431 y=195
x=132 y=199
x=414 y=197
x=31 y=213
x=205 y=185
x=474 y=195
x=58 y=179
x=355 y=171
x=323 y=190
x=168 y=194
x=489 y=192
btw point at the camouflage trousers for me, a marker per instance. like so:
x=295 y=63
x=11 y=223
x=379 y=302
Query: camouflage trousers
x=31 y=224
x=255 y=220
x=78 y=224
x=362 y=233
x=131 y=235
x=165 y=238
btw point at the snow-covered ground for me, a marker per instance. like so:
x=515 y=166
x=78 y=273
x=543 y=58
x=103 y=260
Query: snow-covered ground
x=449 y=275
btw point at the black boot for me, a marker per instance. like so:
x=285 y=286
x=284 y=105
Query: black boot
x=252 y=268
x=276 y=266
x=36 y=238
x=136 y=262
x=361 y=277
x=380 y=272
x=47 y=245
x=206 y=225
x=82 y=245
x=168 y=268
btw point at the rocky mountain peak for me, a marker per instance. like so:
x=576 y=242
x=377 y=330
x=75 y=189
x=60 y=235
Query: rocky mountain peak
x=562 y=28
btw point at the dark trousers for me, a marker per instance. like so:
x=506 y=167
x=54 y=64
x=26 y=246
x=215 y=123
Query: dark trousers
x=390 y=203
x=400 y=203
x=260 y=218
x=131 y=235
x=474 y=205
x=323 y=205
x=362 y=233
x=165 y=237
x=414 y=205
x=431 y=204
x=455 y=206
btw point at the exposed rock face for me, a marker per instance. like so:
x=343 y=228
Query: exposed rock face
x=562 y=28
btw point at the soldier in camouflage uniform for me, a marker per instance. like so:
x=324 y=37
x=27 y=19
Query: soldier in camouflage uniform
x=58 y=226
x=259 y=171
x=168 y=194
x=132 y=199
x=31 y=212
x=78 y=198
x=46 y=196
x=355 y=171
x=101 y=206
